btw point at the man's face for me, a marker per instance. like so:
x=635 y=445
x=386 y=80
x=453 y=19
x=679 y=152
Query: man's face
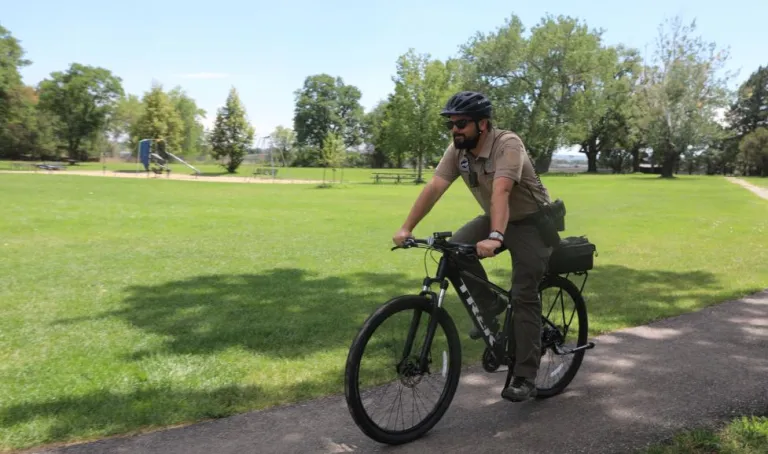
x=464 y=130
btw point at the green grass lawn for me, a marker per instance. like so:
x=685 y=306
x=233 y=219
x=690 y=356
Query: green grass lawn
x=757 y=181
x=128 y=304
x=744 y=435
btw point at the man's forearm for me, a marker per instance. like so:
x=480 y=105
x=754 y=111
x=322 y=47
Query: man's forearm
x=499 y=211
x=423 y=204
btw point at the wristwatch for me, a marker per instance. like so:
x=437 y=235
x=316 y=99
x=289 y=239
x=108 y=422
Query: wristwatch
x=496 y=235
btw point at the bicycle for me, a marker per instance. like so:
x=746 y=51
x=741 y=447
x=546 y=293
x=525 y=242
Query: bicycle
x=413 y=364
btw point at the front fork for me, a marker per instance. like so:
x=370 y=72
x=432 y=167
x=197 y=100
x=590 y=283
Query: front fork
x=437 y=301
x=432 y=324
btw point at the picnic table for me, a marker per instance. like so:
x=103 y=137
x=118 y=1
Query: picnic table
x=398 y=177
x=51 y=166
x=265 y=171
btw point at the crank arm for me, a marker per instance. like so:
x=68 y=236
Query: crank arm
x=588 y=346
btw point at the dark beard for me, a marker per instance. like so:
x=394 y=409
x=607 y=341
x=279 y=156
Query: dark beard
x=465 y=143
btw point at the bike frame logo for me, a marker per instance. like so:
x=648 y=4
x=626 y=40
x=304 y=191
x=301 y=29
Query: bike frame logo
x=469 y=301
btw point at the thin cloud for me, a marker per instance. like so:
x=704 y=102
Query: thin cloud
x=205 y=76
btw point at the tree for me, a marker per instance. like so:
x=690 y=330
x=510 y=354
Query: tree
x=376 y=139
x=126 y=114
x=750 y=111
x=283 y=139
x=600 y=116
x=29 y=130
x=159 y=121
x=684 y=93
x=81 y=97
x=191 y=118
x=326 y=104
x=332 y=153
x=232 y=135
x=413 y=122
x=533 y=81
x=11 y=59
x=754 y=151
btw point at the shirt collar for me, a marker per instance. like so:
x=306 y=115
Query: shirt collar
x=485 y=153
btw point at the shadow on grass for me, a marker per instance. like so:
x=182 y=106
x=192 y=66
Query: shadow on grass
x=284 y=313
x=621 y=296
x=103 y=413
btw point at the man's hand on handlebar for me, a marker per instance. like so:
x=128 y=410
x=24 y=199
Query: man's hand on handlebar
x=487 y=247
x=401 y=235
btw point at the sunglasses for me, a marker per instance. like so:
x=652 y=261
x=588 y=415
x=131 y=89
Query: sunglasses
x=461 y=124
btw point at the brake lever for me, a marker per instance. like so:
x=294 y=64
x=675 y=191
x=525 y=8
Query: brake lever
x=405 y=245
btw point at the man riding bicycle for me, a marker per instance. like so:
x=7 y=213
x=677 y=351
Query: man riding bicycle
x=495 y=167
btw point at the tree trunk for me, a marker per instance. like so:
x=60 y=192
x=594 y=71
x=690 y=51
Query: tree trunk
x=635 y=158
x=591 y=161
x=668 y=165
x=420 y=159
x=543 y=161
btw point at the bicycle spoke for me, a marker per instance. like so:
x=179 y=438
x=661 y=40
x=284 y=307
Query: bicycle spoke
x=388 y=403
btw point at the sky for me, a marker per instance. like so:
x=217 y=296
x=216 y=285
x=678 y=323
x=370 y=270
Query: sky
x=266 y=49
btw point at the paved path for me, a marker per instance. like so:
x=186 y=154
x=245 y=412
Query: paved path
x=638 y=386
x=760 y=191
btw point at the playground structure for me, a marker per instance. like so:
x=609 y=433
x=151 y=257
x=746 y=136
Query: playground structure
x=158 y=162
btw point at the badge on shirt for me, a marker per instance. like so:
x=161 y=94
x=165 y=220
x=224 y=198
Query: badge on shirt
x=464 y=164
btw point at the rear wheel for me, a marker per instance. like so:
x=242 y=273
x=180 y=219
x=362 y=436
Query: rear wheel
x=564 y=328
x=392 y=339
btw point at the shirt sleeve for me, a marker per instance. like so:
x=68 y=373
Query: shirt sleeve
x=509 y=159
x=448 y=167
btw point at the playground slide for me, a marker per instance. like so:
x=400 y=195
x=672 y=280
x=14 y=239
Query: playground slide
x=145 y=153
x=182 y=161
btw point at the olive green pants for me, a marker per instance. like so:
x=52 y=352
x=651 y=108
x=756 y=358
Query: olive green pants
x=529 y=262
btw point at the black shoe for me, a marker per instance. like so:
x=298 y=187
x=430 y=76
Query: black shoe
x=519 y=390
x=493 y=324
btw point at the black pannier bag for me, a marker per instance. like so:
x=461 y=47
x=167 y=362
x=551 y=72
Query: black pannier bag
x=574 y=254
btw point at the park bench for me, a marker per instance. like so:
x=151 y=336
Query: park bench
x=562 y=174
x=397 y=177
x=22 y=166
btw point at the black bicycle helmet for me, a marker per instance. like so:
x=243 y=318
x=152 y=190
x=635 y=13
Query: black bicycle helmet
x=469 y=103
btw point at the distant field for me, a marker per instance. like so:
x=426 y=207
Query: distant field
x=757 y=181
x=129 y=304
x=349 y=175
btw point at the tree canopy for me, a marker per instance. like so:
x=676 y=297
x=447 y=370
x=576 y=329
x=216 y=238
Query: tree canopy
x=559 y=84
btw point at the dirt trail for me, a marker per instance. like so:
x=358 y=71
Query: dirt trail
x=762 y=192
x=172 y=176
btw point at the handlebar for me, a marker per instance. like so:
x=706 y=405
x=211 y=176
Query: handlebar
x=439 y=242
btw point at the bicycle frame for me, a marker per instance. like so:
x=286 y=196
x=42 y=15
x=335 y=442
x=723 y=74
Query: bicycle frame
x=450 y=273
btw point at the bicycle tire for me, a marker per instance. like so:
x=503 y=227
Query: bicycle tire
x=556 y=281
x=351 y=375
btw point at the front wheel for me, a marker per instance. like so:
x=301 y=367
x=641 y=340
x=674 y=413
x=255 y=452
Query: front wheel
x=392 y=368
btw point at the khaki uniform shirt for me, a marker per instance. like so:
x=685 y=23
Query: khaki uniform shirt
x=503 y=156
